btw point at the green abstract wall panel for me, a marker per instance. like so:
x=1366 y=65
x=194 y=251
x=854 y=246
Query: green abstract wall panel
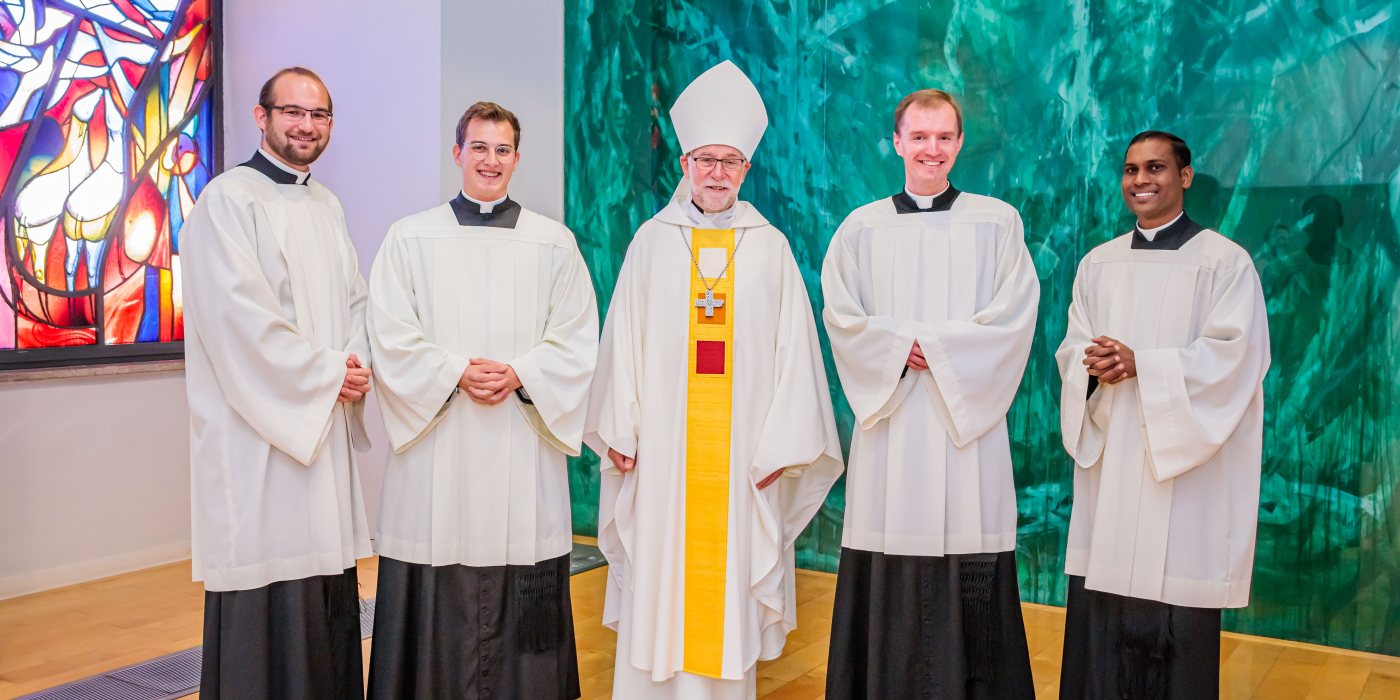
x=1291 y=109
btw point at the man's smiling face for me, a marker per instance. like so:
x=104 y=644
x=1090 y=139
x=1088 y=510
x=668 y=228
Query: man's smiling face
x=928 y=139
x=1154 y=184
x=485 y=171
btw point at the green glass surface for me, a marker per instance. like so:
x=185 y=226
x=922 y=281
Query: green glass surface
x=1290 y=109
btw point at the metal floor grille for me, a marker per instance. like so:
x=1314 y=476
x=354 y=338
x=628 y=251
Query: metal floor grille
x=177 y=675
x=172 y=676
x=366 y=617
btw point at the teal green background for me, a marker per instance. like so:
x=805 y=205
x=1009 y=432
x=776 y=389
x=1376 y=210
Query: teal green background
x=1290 y=109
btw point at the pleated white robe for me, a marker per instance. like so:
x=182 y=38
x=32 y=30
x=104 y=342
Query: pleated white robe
x=1166 y=493
x=782 y=420
x=930 y=469
x=274 y=304
x=471 y=484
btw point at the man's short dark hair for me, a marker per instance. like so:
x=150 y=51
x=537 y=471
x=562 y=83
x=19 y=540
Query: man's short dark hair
x=491 y=112
x=265 y=94
x=1180 y=150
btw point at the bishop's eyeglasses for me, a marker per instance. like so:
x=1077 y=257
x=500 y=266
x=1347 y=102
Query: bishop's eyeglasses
x=319 y=117
x=708 y=163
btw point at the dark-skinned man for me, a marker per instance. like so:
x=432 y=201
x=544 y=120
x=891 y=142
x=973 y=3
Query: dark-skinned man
x=1162 y=410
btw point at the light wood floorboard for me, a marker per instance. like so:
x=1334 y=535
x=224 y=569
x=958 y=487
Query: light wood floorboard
x=58 y=636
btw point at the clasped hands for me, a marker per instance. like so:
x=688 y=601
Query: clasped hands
x=626 y=464
x=356 y=383
x=916 y=358
x=1109 y=360
x=488 y=382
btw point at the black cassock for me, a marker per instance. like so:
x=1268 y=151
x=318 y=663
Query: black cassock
x=1121 y=647
x=468 y=632
x=943 y=628
x=289 y=639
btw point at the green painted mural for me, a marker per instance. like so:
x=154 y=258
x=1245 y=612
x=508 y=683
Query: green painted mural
x=1290 y=109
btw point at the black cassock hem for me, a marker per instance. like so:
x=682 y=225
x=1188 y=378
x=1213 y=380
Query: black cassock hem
x=945 y=628
x=289 y=639
x=1121 y=647
x=473 y=632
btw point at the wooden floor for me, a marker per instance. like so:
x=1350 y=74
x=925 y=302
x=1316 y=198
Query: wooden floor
x=54 y=637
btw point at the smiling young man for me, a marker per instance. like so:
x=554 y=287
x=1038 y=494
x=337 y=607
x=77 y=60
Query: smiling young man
x=483 y=315
x=1162 y=409
x=713 y=417
x=930 y=307
x=276 y=367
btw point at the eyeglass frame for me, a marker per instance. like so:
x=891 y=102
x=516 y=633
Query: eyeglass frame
x=469 y=148
x=284 y=109
x=722 y=162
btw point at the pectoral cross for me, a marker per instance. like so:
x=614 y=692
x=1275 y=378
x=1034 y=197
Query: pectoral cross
x=709 y=303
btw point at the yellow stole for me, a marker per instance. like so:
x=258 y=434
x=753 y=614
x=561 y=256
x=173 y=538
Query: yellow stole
x=709 y=406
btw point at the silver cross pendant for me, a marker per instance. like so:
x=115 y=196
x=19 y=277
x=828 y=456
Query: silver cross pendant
x=709 y=303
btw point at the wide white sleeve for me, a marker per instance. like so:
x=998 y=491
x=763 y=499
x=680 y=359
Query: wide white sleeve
x=415 y=377
x=277 y=381
x=613 y=421
x=977 y=364
x=870 y=350
x=799 y=432
x=557 y=371
x=1193 y=398
x=1083 y=436
x=798 y=436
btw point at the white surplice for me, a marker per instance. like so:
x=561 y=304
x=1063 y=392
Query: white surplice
x=1166 y=496
x=930 y=466
x=472 y=484
x=782 y=420
x=274 y=304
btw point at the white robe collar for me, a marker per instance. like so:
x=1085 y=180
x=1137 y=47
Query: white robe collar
x=1150 y=233
x=301 y=175
x=926 y=200
x=675 y=213
x=486 y=207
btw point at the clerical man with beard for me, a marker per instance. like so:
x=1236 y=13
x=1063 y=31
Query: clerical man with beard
x=276 y=369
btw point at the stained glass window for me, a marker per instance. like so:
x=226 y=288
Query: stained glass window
x=107 y=136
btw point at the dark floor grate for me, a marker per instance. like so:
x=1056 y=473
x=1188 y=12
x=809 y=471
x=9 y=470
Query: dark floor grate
x=366 y=617
x=173 y=676
x=177 y=675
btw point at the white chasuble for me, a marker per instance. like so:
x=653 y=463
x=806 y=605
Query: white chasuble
x=930 y=469
x=713 y=384
x=468 y=483
x=1166 y=493
x=274 y=305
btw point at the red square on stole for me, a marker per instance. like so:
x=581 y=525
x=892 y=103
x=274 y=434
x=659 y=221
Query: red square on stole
x=709 y=357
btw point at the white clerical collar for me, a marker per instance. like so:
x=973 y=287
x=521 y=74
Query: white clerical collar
x=926 y=200
x=486 y=207
x=1150 y=233
x=711 y=220
x=302 y=175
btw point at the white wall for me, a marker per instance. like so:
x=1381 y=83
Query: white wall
x=115 y=495
x=93 y=479
x=511 y=53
